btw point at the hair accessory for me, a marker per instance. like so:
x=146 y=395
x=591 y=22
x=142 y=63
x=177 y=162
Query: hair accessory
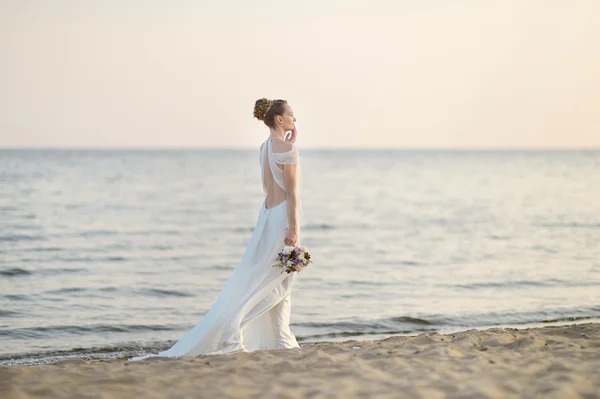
x=269 y=105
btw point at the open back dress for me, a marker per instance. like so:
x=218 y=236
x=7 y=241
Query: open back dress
x=252 y=311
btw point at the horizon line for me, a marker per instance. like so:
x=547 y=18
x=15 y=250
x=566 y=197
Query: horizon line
x=171 y=148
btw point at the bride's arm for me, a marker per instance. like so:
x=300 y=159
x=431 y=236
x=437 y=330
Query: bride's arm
x=289 y=160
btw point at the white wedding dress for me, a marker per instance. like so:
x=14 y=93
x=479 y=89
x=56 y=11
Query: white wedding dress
x=252 y=311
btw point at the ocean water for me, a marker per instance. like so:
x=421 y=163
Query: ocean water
x=113 y=253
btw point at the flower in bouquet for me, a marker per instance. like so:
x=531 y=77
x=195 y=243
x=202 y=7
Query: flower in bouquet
x=292 y=259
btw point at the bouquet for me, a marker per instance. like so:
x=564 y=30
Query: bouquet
x=292 y=259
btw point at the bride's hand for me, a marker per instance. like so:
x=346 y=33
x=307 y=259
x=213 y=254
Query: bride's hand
x=293 y=134
x=291 y=236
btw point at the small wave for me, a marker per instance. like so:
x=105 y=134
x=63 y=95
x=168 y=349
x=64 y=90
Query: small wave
x=14 y=272
x=221 y=267
x=121 y=351
x=161 y=292
x=541 y=248
x=397 y=262
x=567 y=319
x=11 y=297
x=571 y=225
x=413 y=324
x=21 y=237
x=410 y=263
x=147 y=233
x=321 y=226
x=412 y=320
x=161 y=247
x=46 y=249
x=98 y=233
x=116 y=259
x=506 y=284
x=69 y=290
x=89 y=259
x=56 y=272
x=345 y=326
x=517 y=318
x=108 y=289
x=382 y=326
x=389 y=326
x=22 y=228
x=18 y=272
x=524 y=283
x=498 y=238
x=10 y=313
x=12 y=176
x=362 y=282
x=54 y=331
x=243 y=229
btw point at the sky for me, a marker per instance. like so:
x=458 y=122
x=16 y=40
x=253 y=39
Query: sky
x=366 y=74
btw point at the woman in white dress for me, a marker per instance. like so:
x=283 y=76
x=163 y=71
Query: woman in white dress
x=252 y=311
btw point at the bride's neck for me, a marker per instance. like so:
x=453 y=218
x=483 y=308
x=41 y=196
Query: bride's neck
x=277 y=133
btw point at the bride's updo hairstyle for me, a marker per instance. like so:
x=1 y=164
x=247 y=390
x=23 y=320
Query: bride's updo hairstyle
x=266 y=110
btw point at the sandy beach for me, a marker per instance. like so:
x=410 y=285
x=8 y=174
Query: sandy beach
x=549 y=362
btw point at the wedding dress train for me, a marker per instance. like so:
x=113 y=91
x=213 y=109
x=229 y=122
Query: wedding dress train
x=252 y=311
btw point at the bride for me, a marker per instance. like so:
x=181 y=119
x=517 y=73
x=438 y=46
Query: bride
x=252 y=311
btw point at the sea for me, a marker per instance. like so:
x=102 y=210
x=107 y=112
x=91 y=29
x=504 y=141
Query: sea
x=111 y=253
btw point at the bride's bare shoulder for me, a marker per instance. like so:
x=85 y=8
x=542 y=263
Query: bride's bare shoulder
x=282 y=146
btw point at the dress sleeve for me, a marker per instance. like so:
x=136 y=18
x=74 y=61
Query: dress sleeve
x=288 y=157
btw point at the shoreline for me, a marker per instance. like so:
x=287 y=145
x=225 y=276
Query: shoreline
x=551 y=361
x=92 y=352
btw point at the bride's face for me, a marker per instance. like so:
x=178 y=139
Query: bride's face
x=288 y=118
